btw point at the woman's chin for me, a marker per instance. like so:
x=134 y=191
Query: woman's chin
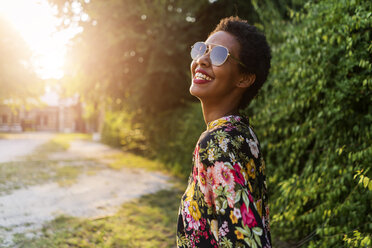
x=195 y=90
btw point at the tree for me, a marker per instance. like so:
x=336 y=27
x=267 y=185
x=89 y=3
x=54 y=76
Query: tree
x=133 y=52
x=17 y=80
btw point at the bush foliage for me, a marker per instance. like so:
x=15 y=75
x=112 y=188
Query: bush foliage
x=169 y=136
x=314 y=118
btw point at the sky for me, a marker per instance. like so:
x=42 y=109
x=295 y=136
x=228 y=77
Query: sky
x=36 y=22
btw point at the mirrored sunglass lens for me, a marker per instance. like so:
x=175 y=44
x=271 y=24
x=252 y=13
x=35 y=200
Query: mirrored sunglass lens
x=198 y=49
x=218 y=55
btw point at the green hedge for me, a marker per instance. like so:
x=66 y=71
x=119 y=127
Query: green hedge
x=173 y=136
x=120 y=130
x=169 y=136
x=314 y=118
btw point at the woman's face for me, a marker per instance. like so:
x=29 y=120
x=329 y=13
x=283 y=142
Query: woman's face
x=221 y=81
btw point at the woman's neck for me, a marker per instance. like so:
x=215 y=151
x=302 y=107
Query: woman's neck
x=214 y=112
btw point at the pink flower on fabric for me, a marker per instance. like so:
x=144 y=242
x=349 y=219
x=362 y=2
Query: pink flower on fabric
x=231 y=198
x=223 y=175
x=250 y=197
x=202 y=179
x=205 y=186
x=211 y=183
x=186 y=204
x=192 y=224
x=248 y=216
x=211 y=178
x=209 y=198
x=229 y=127
x=200 y=166
x=239 y=178
x=203 y=223
x=196 y=154
x=237 y=213
x=194 y=173
x=224 y=229
x=237 y=118
x=197 y=163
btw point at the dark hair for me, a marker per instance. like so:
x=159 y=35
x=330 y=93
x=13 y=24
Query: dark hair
x=254 y=53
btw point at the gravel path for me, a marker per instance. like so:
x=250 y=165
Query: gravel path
x=92 y=196
x=21 y=144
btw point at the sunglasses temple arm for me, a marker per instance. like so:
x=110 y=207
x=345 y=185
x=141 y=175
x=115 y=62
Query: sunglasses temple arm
x=237 y=60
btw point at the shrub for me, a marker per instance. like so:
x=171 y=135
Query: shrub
x=120 y=130
x=314 y=118
x=172 y=136
x=169 y=136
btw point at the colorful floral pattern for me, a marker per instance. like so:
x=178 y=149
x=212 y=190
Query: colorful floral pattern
x=225 y=203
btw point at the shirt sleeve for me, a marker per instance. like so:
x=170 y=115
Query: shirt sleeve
x=228 y=173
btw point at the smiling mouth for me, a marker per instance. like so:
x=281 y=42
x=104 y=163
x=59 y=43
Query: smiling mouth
x=201 y=76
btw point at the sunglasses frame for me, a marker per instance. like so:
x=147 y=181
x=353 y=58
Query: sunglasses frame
x=216 y=45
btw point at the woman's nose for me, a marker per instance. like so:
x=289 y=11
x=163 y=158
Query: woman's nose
x=204 y=60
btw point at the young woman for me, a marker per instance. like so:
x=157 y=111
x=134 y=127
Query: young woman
x=225 y=203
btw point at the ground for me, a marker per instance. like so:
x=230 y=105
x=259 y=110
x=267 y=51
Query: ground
x=65 y=180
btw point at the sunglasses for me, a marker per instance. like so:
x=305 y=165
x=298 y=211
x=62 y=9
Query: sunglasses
x=218 y=54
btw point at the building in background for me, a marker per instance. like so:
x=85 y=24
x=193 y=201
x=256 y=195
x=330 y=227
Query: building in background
x=9 y=120
x=65 y=117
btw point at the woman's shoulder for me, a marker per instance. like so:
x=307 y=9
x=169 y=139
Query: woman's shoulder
x=232 y=121
x=227 y=132
x=227 y=144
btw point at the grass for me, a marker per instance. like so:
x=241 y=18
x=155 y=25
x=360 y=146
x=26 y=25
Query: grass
x=59 y=143
x=67 y=175
x=147 y=222
x=15 y=175
x=130 y=160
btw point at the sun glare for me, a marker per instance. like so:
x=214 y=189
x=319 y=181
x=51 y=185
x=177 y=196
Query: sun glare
x=36 y=22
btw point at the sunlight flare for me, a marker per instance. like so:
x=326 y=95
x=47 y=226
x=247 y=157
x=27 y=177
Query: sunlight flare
x=36 y=22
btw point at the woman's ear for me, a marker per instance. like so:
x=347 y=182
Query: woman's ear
x=246 y=80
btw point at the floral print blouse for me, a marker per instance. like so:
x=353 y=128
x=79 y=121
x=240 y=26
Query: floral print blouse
x=225 y=203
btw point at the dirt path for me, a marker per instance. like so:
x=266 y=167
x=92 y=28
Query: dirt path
x=21 y=144
x=93 y=195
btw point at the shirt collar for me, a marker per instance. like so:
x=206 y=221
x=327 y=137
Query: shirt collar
x=224 y=120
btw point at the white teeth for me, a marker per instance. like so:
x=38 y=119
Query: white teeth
x=202 y=76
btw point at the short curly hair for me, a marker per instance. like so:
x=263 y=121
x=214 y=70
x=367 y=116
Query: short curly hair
x=254 y=53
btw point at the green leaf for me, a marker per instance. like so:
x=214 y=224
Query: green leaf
x=258 y=240
x=365 y=182
x=249 y=242
x=228 y=164
x=224 y=205
x=361 y=179
x=245 y=198
x=243 y=231
x=257 y=230
x=238 y=196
